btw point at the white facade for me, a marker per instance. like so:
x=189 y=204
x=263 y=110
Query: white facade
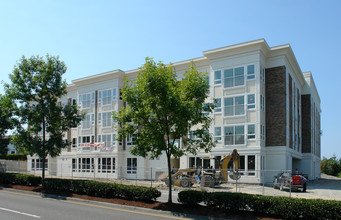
x=238 y=79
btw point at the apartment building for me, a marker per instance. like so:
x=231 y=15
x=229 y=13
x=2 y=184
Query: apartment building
x=267 y=109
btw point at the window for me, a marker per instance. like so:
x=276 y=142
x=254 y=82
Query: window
x=92 y=119
x=86 y=165
x=262 y=103
x=74 y=144
x=234 y=135
x=234 y=106
x=217 y=161
x=262 y=74
x=234 y=77
x=114 y=94
x=37 y=164
x=106 y=119
x=130 y=139
x=86 y=139
x=262 y=132
x=131 y=165
x=107 y=140
x=217 y=105
x=205 y=109
x=251 y=134
x=74 y=165
x=85 y=100
x=193 y=135
x=217 y=133
x=99 y=97
x=93 y=98
x=106 y=165
x=99 y=118
x=217 y=77
x=106 y=97
x=251 y=165
x=250 y=71
x=74 y=102
x=86 y=122
x=242 y=163
x=251 y=101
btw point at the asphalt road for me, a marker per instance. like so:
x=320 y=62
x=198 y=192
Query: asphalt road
x=22 y=205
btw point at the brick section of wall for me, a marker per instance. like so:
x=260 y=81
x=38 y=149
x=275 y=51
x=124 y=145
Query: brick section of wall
x=275 y=91
x=290 y=111
x=306 y=124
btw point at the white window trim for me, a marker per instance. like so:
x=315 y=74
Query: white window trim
x=234 y=115
x=234 y=125
x=105 y=123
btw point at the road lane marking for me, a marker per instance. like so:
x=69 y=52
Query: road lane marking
x=21 y=213
x=98 y=206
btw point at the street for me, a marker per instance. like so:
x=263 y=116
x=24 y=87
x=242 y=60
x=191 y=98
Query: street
x=19 y=205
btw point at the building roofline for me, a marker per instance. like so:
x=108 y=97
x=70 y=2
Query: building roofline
x=291 y=57
x=312 y=85
x=97 y=76
x=234 y=46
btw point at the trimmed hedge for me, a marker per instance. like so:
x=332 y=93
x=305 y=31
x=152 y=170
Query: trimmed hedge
x=103 y=189
x=22 y=157
x=288 y=208
x=19 y=179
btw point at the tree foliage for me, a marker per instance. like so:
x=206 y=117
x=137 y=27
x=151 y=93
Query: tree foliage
x=331 y=166
x=7 y=121
x=36 y=87
x=162 y=108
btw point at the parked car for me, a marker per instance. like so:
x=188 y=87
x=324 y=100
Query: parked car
x=285 y=181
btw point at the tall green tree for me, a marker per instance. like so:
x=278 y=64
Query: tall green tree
x=162 y=108
x=7 y=121
x=36 y=87
x=331 y=166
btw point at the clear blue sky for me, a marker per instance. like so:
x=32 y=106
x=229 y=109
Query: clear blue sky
x=97 y=36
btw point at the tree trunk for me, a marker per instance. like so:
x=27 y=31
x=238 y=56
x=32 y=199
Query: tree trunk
x=169 y=179
x=43 y=168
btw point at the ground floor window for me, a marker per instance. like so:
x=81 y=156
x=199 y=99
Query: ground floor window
x=37 y=164
x=106 y=165
x=251 y=165
x=85 y=165
x=199 y=162
x=247 y=166
x=131 y=165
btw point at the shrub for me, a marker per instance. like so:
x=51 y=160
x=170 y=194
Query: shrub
x=13 y=157
x=288 y=208
x=191 y=197
x=19 y=179
x=102 y=189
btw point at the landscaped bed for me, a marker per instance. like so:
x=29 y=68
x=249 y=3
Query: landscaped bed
x=175 y=207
